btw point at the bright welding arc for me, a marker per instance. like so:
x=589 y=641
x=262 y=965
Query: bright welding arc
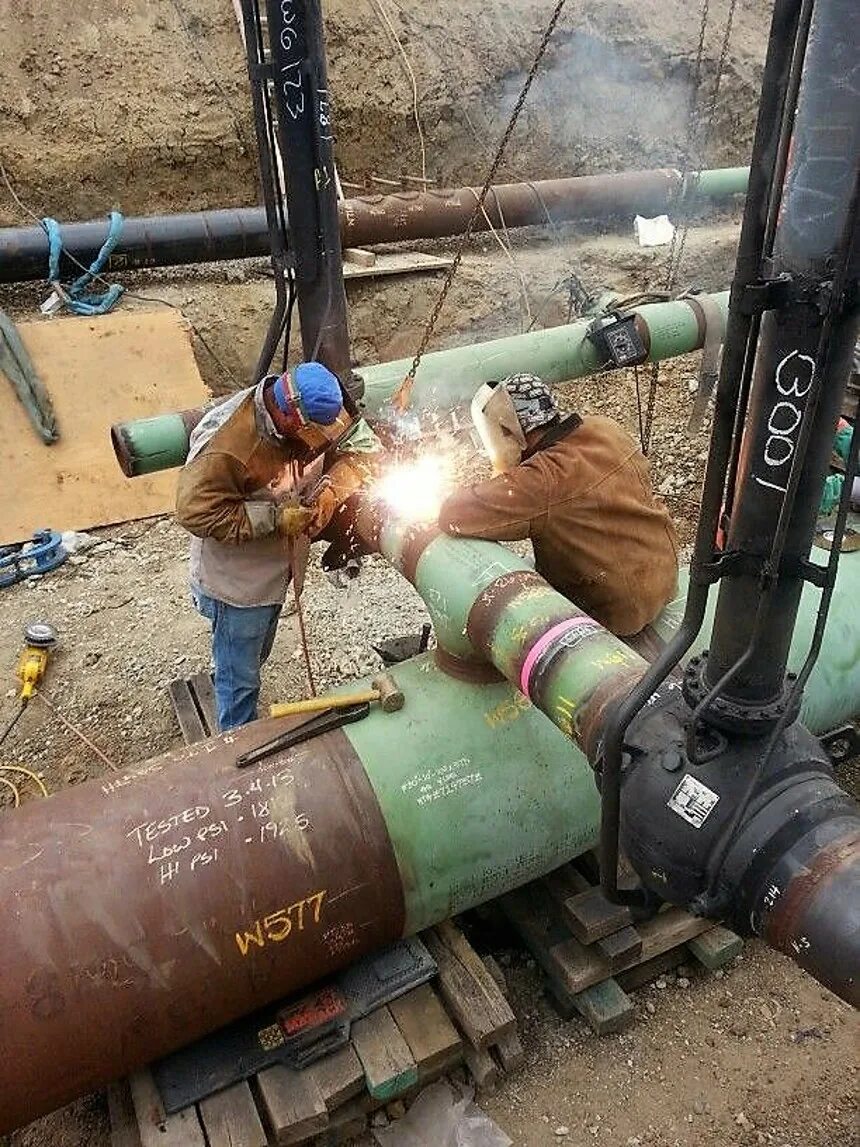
x=415 y=491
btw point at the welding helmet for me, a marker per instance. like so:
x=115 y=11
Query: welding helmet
x=504 y=412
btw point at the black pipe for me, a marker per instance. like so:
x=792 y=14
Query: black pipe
x=275 y=213
x=305 y=133
x=241 y=233
x=802 y=367
x=146 y=241
x=787 y=26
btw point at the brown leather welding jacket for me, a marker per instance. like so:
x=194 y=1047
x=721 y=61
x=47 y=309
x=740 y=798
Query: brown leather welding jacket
x=225 y=499
x=583 y=495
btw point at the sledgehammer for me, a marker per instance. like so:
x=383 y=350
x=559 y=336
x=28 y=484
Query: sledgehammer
x=384 y=690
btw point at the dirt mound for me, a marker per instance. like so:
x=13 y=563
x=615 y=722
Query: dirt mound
x=144 y=104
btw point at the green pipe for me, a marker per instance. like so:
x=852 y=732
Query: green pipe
x=832 y=695
x=482 y=794
x=445 y=379
x=147 y=445
x=718 y=183
x=487 y=604
x=449 y=378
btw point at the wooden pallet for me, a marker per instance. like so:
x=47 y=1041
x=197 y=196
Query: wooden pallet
x=392 y=1053
x=591 y=950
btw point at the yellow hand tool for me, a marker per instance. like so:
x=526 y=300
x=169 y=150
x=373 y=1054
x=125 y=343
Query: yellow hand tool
x=39 y=639
x=384 y=690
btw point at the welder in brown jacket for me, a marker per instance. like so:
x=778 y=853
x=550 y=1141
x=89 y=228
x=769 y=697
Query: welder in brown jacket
x=266 y=471
x=579 y=488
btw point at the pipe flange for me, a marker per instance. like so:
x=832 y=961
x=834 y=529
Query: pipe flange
x=732 y=715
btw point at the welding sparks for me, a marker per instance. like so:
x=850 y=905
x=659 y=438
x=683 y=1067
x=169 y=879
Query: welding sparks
x=416 y=490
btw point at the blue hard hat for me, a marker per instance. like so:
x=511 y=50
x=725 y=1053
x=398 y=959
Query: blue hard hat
x=313 y=392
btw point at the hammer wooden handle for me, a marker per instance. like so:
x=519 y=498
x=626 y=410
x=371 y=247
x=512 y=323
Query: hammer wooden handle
x=317 y=704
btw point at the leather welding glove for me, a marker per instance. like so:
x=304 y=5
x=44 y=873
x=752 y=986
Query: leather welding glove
x=293 y=520
x=346 y=476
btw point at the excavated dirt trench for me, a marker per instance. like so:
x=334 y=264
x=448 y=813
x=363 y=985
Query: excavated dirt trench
x=143 y=104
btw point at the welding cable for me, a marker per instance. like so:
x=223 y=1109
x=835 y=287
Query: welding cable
x=506 y=249
x=40 y=784
x=77 y=732
x=21 y=707
x=392 y=32
x=15 y=793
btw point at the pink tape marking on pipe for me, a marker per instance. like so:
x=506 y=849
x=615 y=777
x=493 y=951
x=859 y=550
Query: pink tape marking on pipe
x=544 y=642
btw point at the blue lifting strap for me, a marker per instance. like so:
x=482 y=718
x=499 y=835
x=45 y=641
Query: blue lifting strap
x=75 y=299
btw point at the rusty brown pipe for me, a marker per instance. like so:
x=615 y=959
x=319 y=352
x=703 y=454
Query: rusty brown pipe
x=242 y=233
x=401 y=215
x=809 y=905
x=146 y=911
x=143 y=911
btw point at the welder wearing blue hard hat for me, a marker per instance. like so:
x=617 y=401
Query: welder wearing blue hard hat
x=267 y=468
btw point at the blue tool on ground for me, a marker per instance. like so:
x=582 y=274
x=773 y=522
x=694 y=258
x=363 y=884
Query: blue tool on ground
x=43 y=553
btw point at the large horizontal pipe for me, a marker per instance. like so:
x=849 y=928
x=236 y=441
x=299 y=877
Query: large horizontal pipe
x=446 y=379
x=143 y=912
x=242 y=233
x=147 y=909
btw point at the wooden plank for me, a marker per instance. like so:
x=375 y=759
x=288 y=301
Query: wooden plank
x=230 y=1118
x=454 y=939
x=389 y=1068
x=348 y=1122
x=641 y=974
x=428 y=1032
x=482 y=1067
x=669 y=929
x=620 y=949
x=510 y=1053
x=561 y=999
x=591 y=917
x=561 y=956
x=99 y=370
x=157 y=1129
x=339 y=1077
x=605 y=1007
x=574 y=966
x=481 y=1011
x=716 y=947
x=587 y=912
x=191 y=727
x=399 y=263
x=124 y=1131
x=564 y=882
x=493 y=967
x=204 y=691
x=359 y=256
x=292 y=1103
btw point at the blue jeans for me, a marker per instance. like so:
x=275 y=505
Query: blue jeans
x=242 y=639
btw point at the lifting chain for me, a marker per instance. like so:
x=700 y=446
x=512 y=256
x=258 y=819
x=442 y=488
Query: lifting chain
x=401 y=397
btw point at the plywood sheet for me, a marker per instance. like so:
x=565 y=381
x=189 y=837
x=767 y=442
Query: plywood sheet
x=130 y=364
